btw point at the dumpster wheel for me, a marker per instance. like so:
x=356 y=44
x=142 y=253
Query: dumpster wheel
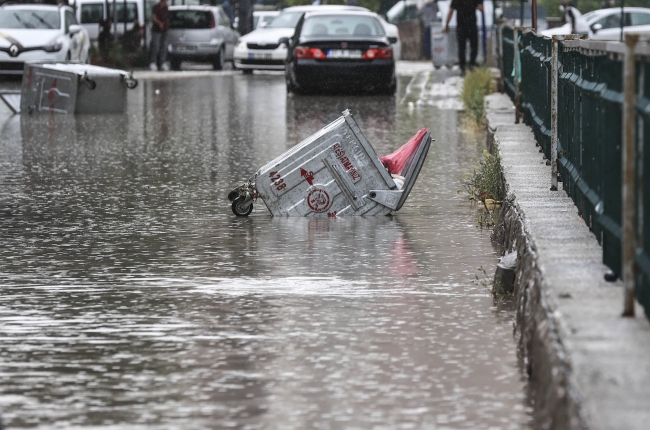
x=240 y=210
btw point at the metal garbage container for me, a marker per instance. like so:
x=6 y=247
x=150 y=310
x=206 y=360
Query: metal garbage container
x=334 y=172
x=444 y=47
x=74 y=88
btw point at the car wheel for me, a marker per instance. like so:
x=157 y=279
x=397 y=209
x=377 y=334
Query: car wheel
x=218 y=62
x=175 y=63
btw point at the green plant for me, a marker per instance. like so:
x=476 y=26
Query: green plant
x=483 y=182
x=478 y=84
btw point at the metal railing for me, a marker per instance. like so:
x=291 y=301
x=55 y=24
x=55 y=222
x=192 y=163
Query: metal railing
x=588 y=103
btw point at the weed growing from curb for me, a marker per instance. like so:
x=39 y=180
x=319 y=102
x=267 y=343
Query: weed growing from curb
x=477 y=84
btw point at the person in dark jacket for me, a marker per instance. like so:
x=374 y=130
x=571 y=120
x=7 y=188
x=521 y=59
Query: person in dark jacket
x=105 y=38
x=466 y=29
x=227 y=8
x=160 y=18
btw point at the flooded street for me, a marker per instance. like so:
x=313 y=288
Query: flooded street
x=132 y=297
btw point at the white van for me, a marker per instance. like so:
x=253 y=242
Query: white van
x=91 y=12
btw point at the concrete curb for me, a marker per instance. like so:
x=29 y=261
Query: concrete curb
x=589 y=368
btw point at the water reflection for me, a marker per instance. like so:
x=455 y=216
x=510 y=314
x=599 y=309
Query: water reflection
x=132 y=298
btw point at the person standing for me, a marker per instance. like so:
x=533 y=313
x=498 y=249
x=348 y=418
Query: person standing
x=466 y=29
x=568 y=15
x=428 y=14
x=160 y=18
x=227 y=8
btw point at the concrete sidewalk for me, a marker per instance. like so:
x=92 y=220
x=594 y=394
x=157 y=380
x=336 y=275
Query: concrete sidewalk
x=589 y=367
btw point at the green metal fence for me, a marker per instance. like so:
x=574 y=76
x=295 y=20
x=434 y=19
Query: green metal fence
x=589 y=106
x=536 y=81
x=642 y=286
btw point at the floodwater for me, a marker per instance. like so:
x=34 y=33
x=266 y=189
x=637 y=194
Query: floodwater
x=132 y=298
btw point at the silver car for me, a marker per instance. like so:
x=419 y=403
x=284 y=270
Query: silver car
x=200 y=33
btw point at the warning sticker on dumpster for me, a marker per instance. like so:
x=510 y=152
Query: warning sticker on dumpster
x=345 y=161
x=318 y=200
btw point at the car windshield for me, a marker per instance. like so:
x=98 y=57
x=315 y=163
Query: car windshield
x=342 y=25
x=29 y=18
x=195 y=19
x=285 y=20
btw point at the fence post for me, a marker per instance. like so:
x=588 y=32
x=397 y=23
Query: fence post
x=515 y=62
x=554 y=90
x=629 y=173
x=502 y=84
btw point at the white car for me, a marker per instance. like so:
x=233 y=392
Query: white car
x=39 y=33
x=261 y=49
x=605 y=24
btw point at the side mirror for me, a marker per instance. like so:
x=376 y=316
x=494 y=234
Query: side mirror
x=285 y=40
x=262 y=25
x=74 y=29
x=596 y=27
x=392 y=40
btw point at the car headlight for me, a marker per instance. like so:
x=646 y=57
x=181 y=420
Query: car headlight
x=241 y=44
x=53 y=46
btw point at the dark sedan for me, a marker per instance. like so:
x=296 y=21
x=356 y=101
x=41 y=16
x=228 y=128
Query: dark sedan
x=340 y=52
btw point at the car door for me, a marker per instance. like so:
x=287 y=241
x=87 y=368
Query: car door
x=75 y=39
x=610 y=27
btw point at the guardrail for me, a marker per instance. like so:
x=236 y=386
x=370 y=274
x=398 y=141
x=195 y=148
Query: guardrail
x=588 y=103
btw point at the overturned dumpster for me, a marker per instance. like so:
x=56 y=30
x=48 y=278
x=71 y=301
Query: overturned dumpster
x=74 y=88
x=334 y=172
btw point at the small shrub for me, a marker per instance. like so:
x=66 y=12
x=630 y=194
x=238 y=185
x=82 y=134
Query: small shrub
x=478 y=84
x=484 y=181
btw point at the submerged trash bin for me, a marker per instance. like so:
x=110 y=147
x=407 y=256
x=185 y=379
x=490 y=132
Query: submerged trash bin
x=74 y=88
x=334 y=172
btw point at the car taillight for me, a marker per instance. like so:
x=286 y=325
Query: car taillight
x=316 y=53
x=213 y=24
x=378 y=54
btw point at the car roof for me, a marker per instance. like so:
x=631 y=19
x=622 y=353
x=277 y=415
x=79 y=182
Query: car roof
x=342 y=12
x=34 y=6
x=324 y=7
x=600 y=13
x=193 y=7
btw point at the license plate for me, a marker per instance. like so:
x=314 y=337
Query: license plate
x=344 y=53
x=184 y=48
x=259 y=56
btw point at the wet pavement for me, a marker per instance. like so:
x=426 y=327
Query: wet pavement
x=132 y=298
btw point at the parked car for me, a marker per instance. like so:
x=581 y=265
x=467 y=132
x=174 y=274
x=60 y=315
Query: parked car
x=200 y=33
x=39 y=33
x=605 y=24
x=392 y=32
x=262 y=18
x=340 y=50
x=261 y=49
x=90 y=12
